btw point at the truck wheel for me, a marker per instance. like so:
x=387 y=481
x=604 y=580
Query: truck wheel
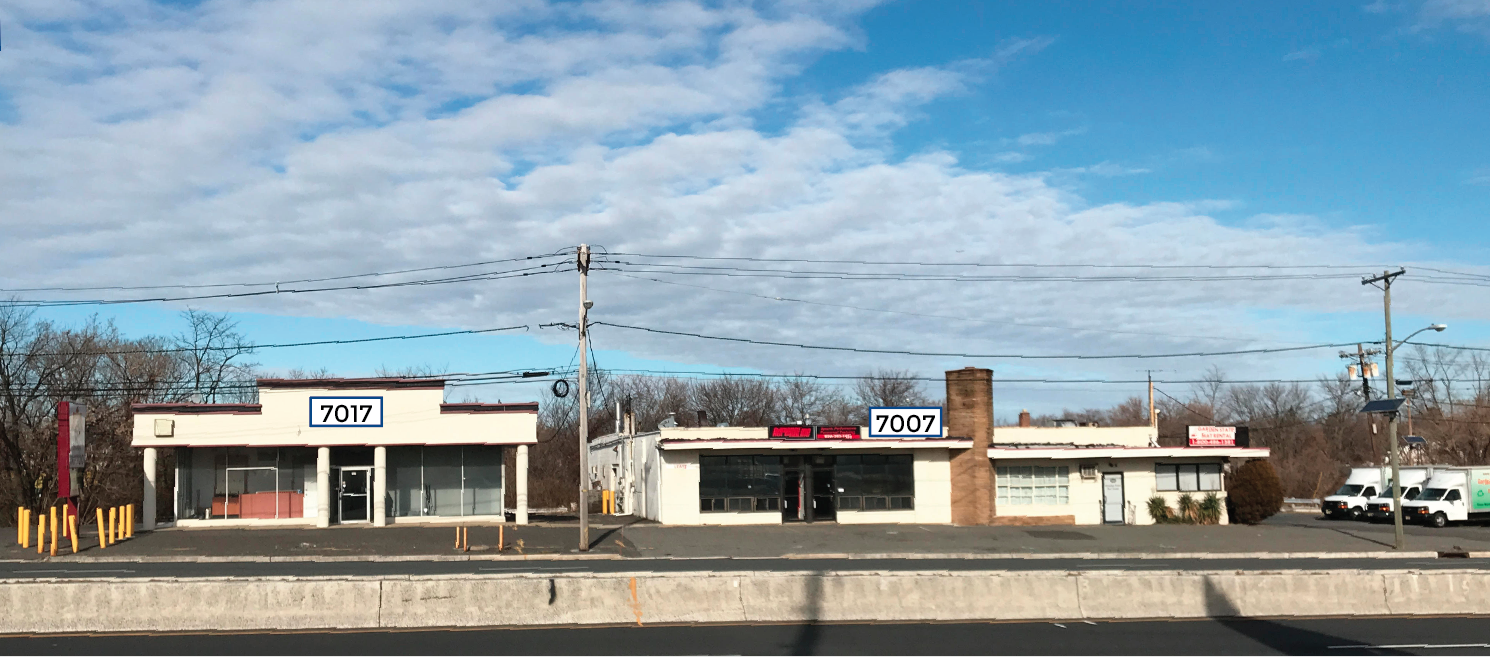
x=1355 y=513
x=1439 y=520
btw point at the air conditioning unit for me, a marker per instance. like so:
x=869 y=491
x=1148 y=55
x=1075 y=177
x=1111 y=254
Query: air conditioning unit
x=1089 y=471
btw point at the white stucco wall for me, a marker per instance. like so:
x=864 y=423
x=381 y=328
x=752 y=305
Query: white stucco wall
x=1124 y=436
x=410 y=417
x=1084 y=496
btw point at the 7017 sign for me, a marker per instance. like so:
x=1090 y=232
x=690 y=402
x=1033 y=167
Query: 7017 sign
x=346 y=411
x=906 y=422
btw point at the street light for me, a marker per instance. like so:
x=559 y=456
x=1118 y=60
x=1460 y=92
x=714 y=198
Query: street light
x=1392 y=428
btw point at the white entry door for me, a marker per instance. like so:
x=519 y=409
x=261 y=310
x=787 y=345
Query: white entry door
x=1112 y=498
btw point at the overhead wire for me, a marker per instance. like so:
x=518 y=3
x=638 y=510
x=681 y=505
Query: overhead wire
x=960 y=354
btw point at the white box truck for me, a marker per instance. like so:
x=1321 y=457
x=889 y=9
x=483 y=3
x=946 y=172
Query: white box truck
x=1380 y=507
x=1451 y=495
x=1350 y=501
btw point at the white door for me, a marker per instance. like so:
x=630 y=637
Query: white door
x=1112 y=498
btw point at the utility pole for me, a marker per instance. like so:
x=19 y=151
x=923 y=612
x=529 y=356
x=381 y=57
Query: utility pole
x=1386 y=287
x=1364 y=368
x=1153 y=419
x=583 y=264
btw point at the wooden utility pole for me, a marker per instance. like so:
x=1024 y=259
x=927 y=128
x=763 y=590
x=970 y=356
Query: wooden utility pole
x=583 y=265
x=1392 y=450
x=1153 y=419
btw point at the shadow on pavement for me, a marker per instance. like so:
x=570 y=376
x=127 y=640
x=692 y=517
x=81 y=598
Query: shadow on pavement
x=810 y=636
x=1283 y=638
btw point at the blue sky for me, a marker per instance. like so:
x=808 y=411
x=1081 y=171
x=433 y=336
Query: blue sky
x=150 y=143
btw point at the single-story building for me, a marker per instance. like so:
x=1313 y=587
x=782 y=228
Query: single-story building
x=973 y=473
x=333 y=451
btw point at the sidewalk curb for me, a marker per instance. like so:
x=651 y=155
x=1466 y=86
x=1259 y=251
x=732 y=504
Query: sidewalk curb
x=1023 y=556
x=1121 y=555
x=324 y=559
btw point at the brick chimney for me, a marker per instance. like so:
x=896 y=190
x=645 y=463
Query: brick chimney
x=1024 y=418
x=970 y=415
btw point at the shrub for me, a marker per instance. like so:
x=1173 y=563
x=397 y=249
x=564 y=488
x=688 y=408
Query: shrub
x=1209 y=510
x=1254 y=492
x=1159 y=510
x=1188 y=513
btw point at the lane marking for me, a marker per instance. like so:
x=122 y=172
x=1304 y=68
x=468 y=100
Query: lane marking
x=1416 y=646
x=63 y=570
x=520 y=568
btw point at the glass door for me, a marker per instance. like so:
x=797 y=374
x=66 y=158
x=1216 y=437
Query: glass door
x=353 y=487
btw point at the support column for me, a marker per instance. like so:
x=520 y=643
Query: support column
x=380 y=486
x=970 y=415
x=522 y=484
x=323 y=487
x=147 y=503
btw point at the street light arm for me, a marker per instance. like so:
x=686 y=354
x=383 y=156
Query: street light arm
x=1435 y=327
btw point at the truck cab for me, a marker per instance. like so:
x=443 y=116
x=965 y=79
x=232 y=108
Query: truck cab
x=1380 y=507
x=1445 y=499
x=1350 y=500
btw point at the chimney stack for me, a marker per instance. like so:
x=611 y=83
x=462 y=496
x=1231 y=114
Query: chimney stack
x=970 y=415
x=1024 y=418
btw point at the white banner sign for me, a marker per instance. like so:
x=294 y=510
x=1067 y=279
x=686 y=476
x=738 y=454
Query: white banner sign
x=906 y=422
x=346 y=411
x=1213 y=436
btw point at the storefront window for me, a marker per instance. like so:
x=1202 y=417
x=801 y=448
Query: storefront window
x=874 y=482
x=1187 y=477
x=450 y=481
x=1020 y=485
x=739 y=483
x=243 y=482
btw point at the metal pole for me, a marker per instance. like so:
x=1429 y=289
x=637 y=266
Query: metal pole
x=584 y=401
x=1386 y=286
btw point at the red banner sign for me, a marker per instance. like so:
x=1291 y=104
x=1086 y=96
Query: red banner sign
x=838 y=433
x=1212 y=436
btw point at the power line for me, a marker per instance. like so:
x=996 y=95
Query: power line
x=987 y=264
x=930 y=316
x=255 y=347
x=485 y=276
x=271 y=283
x=959 y=355
x=738 y=272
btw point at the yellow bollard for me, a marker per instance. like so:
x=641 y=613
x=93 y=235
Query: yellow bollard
x=41 y=532
x=103 y=538
x=129 y=521
x=23 y=525
x=501 y=537
x=113 y=536
x=465 y=538
x=53 y=523
x=72 y=531
x=457 y=538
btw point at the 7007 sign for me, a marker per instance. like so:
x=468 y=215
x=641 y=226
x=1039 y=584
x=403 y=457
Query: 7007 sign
x=346 y=411
x=906 y=422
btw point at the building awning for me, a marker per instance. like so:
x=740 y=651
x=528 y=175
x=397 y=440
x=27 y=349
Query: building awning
x=1074 y=453
x=835 y=445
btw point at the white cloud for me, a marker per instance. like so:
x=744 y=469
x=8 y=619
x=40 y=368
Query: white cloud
x=280 y=140
x=1480 y=177
x=1306 y=54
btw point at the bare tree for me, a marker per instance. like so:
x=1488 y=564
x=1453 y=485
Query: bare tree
x=889 y=388
x=214 y=353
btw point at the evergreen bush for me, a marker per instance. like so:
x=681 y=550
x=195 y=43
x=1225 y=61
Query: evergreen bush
x=1253 y=492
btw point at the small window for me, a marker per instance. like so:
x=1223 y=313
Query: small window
x=902 y=502
x=1453 y=495
x=850 y=502
x=876 y=503
x=1369 y=492
x=1166 y=478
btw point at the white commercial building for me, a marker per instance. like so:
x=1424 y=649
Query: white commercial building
x=323 y=451
x=742 y=476
x=971 y=473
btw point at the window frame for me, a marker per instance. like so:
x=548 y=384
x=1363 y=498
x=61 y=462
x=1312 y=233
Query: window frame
x=1194 y=472
x=1028 y=485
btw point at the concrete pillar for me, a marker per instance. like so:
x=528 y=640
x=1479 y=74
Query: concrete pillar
x=380 y=486
x=522 y=484
x=970 y=415
x=323 y=489
x=147 y=503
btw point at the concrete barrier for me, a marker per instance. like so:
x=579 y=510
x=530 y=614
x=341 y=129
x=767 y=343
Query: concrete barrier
x=192 y=604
